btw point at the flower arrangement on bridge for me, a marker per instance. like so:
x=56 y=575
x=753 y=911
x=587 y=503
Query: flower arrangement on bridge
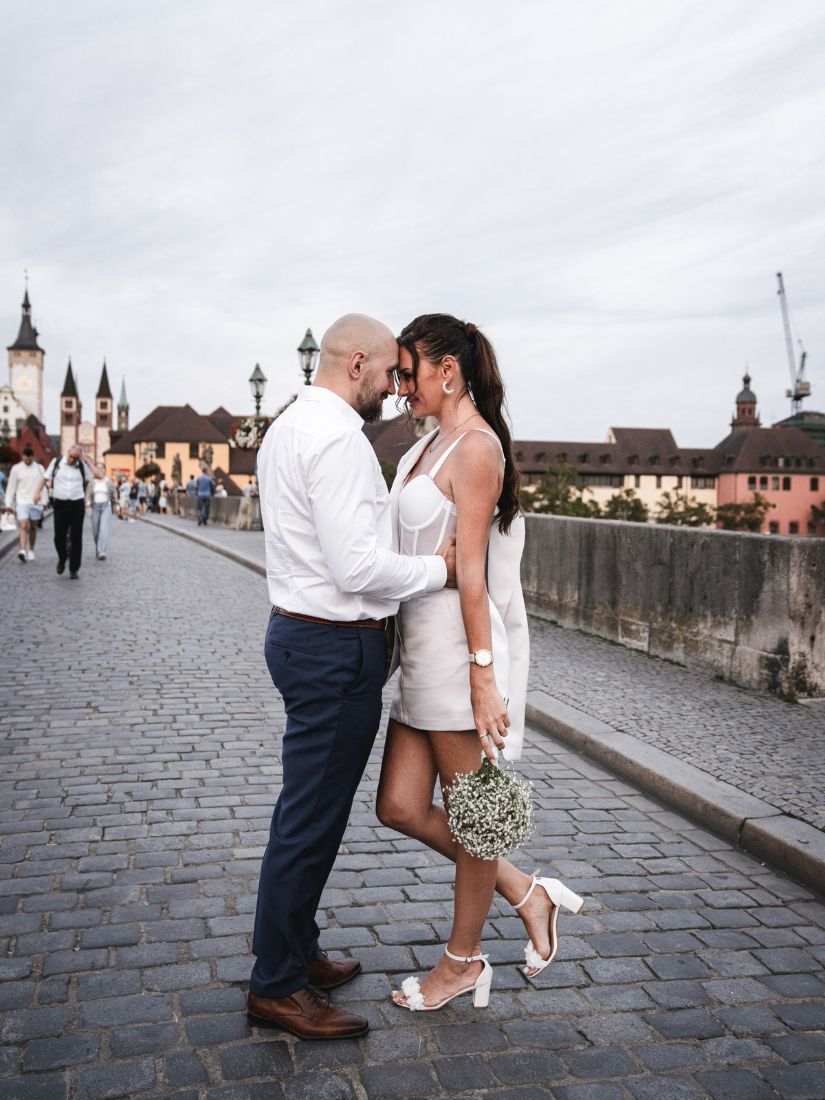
x=250 y=431
x=490 y=811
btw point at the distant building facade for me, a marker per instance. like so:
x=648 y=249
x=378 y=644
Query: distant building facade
x=22 y=396
x=181 y=441
x=784 y=463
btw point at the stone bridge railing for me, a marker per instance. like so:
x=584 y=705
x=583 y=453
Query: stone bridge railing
x=242 y=513
x=750 y=608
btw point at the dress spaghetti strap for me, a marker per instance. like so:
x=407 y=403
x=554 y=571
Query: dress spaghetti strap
x=452 y=447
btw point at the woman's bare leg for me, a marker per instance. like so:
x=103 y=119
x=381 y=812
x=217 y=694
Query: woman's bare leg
x=405 y=803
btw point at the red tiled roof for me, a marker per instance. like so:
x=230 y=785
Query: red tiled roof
x=391 y=438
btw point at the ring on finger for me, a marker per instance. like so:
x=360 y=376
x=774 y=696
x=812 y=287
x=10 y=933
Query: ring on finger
x=481 y=736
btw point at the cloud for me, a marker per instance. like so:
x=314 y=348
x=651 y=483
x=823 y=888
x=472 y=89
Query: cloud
x=608 y=190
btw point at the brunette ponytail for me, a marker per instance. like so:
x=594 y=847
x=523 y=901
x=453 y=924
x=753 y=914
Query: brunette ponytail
x=435 y=335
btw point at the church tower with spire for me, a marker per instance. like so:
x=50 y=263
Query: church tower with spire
x=103 y=414
x=70 y=411
x=746 y=415
x=26 y=363
x=122 y=409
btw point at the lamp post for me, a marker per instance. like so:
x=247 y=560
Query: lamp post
x=308 y=352
x=257 y=383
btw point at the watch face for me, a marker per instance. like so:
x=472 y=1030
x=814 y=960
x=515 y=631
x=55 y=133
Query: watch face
x=483 y=657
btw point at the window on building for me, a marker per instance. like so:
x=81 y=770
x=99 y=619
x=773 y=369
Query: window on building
x=658 y=481
x=675 y=460
x=774 y=482
x=637 y=481
x=583 y=457
x=604 y=459
x=752 y=484
x=706 y=482
x=763 y=482
x=654 y=460
x=780 y=461
x=793 y=528
x=615 y=481
x=811 y=528
x=633 y=460
x=773 y=527
x=786 y=483
x=679 y=480
x=814 y=484
x=160 y=450
x=193 y=450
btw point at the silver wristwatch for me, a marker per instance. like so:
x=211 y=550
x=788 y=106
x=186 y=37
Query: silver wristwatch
x=482 y=657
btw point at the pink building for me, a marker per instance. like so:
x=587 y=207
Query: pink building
x=785 y=465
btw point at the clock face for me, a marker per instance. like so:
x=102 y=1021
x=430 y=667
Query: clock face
x=24 y=383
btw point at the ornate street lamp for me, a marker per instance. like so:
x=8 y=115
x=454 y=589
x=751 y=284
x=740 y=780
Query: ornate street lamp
x=308 y=352
x=257 y=383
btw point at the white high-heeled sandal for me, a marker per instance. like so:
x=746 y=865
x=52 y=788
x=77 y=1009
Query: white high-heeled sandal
x=561 y=896
x=480 y=989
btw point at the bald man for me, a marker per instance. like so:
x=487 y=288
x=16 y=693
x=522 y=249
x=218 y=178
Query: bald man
x=333 y=583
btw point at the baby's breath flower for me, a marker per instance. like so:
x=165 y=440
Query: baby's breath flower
x=490 y=811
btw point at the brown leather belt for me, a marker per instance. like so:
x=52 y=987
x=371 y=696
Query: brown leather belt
x=370 y=624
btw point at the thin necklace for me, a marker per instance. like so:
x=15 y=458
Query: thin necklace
x=440 y=438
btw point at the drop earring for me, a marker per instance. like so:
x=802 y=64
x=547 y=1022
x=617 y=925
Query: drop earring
x=446 y=388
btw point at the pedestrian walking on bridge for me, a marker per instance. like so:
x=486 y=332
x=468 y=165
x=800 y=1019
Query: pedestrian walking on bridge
x=66 y=478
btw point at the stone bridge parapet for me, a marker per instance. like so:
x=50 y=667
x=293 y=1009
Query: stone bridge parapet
x=749 y=608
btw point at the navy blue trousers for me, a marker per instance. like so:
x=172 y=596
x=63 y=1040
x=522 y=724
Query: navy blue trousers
x=331 y=680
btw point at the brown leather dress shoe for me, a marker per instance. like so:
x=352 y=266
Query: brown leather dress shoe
x=307 y=1014
x=326 y=973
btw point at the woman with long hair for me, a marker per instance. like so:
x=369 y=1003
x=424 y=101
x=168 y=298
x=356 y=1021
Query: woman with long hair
x=463 y=654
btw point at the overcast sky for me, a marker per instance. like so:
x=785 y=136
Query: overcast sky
x=608 y=189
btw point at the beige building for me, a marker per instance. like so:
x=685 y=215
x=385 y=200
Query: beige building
x=180 y=441
x=646 y=460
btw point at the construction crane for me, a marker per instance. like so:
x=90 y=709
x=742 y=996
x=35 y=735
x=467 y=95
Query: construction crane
x=799 y=387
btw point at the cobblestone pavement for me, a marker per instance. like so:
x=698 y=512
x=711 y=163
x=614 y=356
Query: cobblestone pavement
x=759 y=743
x=140 y=749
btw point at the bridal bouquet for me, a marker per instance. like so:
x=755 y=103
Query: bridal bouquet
x=489 y=811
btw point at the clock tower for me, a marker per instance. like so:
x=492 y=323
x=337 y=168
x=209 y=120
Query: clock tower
x=26 y=364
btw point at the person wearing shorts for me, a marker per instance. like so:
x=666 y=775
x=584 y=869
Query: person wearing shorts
x=23 y=496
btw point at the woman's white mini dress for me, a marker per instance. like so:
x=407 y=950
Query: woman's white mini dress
x=434 y=686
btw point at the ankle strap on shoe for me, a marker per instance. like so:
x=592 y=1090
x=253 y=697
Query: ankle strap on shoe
x=528 y=895
x=463 y=958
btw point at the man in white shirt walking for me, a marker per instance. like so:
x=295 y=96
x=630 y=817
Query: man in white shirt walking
x=67 y=477
x=26 y=483
x=333 y=582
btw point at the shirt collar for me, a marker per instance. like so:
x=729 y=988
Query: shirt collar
x=332 y=401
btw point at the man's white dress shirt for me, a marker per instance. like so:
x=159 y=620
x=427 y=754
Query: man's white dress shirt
x=326 y=517
x=68 y=484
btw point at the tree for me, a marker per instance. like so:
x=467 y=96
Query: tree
x=818 y=512
x=683 y=511
x=745 y=515
x=627 y=506
x=148 y=469
x=559 y=494
x=388 y=470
